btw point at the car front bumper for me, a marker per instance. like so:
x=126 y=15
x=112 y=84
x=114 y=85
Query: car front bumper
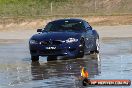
x=54 y=50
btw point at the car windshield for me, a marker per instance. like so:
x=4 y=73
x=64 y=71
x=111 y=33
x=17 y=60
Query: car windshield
x=65 y=25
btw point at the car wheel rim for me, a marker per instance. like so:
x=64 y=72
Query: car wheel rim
x=97 y=44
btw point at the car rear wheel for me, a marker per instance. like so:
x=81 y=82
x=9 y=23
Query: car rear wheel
x=51 y=58
x=34 y=58
x=81 y=51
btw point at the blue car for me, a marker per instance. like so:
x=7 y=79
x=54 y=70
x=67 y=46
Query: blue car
x=64 y=37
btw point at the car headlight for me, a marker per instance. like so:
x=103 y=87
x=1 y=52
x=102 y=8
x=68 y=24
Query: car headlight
x=33 y=42
x=71 y=40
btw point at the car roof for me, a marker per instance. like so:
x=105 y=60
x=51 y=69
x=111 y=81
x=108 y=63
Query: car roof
x=68 y=19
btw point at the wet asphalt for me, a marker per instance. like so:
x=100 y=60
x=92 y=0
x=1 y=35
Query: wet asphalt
x=17 y=70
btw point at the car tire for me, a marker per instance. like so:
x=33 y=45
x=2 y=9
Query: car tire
x=97 y=46
x=51 y=58
x=96 y=51
x=34 y=58
x=92 y=52
x=81 y=50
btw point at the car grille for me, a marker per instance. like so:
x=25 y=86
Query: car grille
x=56 y=42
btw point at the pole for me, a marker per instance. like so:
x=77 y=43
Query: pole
x=95 y=6
x=51 y=7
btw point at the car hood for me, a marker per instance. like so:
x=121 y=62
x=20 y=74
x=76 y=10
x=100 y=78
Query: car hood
x=55 y=36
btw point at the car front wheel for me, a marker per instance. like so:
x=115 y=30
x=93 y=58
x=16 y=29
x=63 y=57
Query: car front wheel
x=81 y=50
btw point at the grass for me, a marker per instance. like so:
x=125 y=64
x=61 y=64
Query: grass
x=63 y=8
x=29 y=8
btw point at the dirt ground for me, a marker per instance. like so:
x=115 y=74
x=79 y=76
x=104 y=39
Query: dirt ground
x=107 y=26
x=104 y=31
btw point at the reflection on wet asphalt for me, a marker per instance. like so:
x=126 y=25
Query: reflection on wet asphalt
x=17 y=70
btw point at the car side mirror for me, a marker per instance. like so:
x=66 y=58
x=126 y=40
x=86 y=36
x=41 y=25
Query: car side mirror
x=39 y=30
